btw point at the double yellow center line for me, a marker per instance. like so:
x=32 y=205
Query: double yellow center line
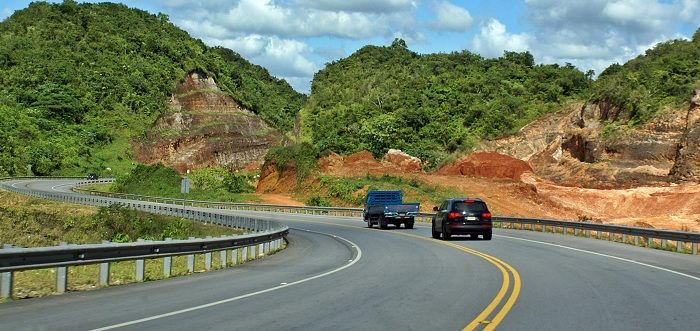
x=487 y=318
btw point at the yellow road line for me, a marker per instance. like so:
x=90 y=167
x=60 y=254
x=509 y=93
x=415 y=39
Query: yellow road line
x=502 y=266
x=505 y=268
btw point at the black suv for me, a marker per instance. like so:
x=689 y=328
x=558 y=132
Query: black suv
x=466 y=216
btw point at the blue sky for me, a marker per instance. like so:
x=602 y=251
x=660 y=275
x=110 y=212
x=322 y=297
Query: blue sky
x=295 y=38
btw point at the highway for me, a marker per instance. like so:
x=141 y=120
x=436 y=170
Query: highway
x=338 y=274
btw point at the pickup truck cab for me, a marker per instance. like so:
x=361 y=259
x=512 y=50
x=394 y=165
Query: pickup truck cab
x=383 y=207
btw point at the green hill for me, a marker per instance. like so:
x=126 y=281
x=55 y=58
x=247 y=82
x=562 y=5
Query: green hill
x=664 y=76
x=78 y=81
x=430 y=105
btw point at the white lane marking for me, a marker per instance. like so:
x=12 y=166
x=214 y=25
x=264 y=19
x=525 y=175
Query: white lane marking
x=603 y=255
x=211 y=304
x=13 y=185
x=53 y=188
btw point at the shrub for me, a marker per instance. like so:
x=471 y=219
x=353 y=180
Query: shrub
x=317 y=201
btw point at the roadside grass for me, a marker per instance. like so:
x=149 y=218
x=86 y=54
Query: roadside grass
x=42 y=282
x=32 y=222
x=351 y=191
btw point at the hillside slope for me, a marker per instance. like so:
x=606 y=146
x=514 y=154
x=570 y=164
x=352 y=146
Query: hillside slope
x=79 y=81
x=430 y=105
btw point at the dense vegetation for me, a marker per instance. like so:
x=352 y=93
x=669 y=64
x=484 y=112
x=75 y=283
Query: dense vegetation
x=212 y=184
x=301 y=157
x=78 y=81
x=430 y=105
x=664 y=76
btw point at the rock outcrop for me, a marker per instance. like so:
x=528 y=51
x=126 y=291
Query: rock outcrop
x=395 y=162
x=486 y=164
x=206 y=127
x=589 y=145
x=687 y=164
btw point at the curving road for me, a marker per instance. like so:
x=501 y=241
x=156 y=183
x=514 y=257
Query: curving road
x=337 y=274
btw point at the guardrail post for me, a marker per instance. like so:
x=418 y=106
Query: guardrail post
x=695 y=248
x=261 y=249
x=140 y=267
x=207 y=259
x=244 y=254
x=190 y=260
x=624 y=238
x=61 y=275
x=649 y=241
x=636 y=240
x=544 y=227
x=6 y=281
x=104 y=270
x=663 y=243
x=167 y=263
x=234 y=256
x=679 y=246
x=222 y=258
x=563 y=230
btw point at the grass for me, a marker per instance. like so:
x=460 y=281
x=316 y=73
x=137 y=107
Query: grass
x=158 y=180
x=42 y=282
x=32 y=222
x=352 y=191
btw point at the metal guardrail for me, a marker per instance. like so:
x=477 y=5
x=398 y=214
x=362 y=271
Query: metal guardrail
x=267 y=237
x=648 y=237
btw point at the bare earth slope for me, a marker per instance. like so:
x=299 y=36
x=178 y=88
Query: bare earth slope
x=205 y=127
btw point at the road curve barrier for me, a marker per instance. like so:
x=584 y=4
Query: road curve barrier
x=264 y=237
x=677 y=241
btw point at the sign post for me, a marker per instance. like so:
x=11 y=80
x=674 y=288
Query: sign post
x=184 y=189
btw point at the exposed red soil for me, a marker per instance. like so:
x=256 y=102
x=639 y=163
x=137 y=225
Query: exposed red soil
x=279 y=199
x=510 y=188
x=486 y=164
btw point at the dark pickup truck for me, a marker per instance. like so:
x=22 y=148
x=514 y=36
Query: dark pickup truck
x=386 y=207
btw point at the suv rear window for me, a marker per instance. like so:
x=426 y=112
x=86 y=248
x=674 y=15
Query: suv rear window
x=474 y=207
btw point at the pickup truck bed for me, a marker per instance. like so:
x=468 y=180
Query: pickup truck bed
x=385 y=207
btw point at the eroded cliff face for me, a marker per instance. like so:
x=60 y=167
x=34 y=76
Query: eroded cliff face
x=687 y=163
x=205 y=127
x=588 y=145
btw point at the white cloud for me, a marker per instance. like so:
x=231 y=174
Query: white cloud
x=366 y=6
x=451 y=17
x=282 y=57
x=493 y=39
x=264 y=31
x=690 y=10
x=596 y=33
x=267 y=17
x=645 y=14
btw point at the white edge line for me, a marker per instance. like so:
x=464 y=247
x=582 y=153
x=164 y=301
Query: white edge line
x=603 y=255
x=215 y=303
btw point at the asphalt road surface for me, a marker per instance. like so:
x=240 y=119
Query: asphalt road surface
x=338 y=274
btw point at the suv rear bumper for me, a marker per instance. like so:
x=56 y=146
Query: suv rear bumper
x=468 y=229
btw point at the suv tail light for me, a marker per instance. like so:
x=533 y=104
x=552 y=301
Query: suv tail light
x=453 y=215
x=486 y=215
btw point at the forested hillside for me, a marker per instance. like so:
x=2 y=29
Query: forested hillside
x=664 y=76
x=431 y=105
x=78 y=81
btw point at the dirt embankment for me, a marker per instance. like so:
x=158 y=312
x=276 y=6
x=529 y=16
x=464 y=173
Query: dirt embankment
x=510 y=187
